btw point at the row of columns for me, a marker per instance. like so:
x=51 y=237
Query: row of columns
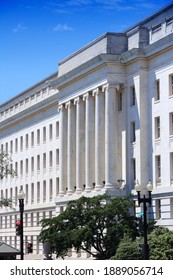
x=88 y=141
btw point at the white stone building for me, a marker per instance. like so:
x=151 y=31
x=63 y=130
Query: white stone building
x=103 y=121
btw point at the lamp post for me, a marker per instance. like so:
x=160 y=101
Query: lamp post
x=21 y=197
x=145 y=200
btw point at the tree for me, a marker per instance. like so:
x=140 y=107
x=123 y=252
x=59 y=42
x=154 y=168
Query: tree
x=5 y=169
x=160 y=242
x=128 y=250
x=97 y=223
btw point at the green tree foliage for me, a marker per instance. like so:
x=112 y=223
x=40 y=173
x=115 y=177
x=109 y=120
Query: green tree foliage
x=128 y=250
x=5 y=170
x=98 y=222
x=160 y=242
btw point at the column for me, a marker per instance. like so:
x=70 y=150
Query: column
x=63 y=151
x=89 y=141
x=80 y=144
x=99 y=138
x=110 y=136
x=71 y=147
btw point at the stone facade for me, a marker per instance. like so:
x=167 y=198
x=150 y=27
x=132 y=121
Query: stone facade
x=103 y=121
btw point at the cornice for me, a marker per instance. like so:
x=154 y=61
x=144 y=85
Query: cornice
x=30 y=111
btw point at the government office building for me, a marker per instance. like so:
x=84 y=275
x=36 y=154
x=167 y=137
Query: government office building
x=103 y=121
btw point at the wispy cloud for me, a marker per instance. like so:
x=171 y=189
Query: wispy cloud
x=19 y=27
x=62 y=27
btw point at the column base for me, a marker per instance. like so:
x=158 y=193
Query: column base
x=62 y=193
x=70 y=192
x=88 y=189
x=79 y=191
x=109 y=186
x=98 y=187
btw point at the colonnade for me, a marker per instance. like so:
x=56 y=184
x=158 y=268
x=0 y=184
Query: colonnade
x=88 y=141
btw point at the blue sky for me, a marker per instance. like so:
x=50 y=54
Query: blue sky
x=37 y=34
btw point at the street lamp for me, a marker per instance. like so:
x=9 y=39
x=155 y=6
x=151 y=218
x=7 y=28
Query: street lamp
x=21 y=197
x=144 y=200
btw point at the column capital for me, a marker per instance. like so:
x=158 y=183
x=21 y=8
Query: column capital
x=77 y=100
x=116 y=86
x=96 y=91
x=61 y=107
x=68 y=104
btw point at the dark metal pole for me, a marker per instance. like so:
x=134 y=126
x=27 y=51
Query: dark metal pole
x=146 y=252
x=21 y=208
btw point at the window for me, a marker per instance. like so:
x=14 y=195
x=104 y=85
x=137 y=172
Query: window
x=50 y=159
x=44 y=160
x=44 y=191
x=57 y=186
x=156 y=28
x=50 y=132
x=44 y=134
x=26 y=192
x=171 y=167
x=38 y=136
x=32 y=164
x=38 y=192
x=32 y=139
x=157 y=127
x=16 y=145
x=50 y=190
x=158 y=209
x=32 y=193
x=171 y=85
x=27 y=141
x=16 y=168
x=157 y=90
x=21 y=168
x=38 y=162
x=26 y=166
x=21 y=143
x=132 y=132
x=158 y=169
x=171 y=123
x=57 y=156
x=132 y=96
x=57 y=129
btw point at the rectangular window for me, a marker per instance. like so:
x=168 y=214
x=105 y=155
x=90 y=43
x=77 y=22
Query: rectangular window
x=38 y=136
x=158 y=169
x=32 y=164
x=50 y=190
x=50 y=159
x=171 y=85
x=32 y=139
x=32 y=193
x=157 y=90
x=171 y=167
x=57 y=129
x=133 y=168
x=132 y=132
x=16 y=145
x=21 y=143
x=44 y=134
x=26 y=166
x=26 y=192
x=44 y=160
x=26 y=141
x=132 y=96
x=21 y=168
x=44 y=191
x=38 y=162
x=50 y=132
x=171 y=123
x=157 y=127
x=57 y=156
x=57 y=186
x=38 y=192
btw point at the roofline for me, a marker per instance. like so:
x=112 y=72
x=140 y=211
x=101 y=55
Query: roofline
x=153 y=15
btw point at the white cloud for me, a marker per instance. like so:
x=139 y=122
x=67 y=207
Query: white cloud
x=62 y=27
x=19 y=27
